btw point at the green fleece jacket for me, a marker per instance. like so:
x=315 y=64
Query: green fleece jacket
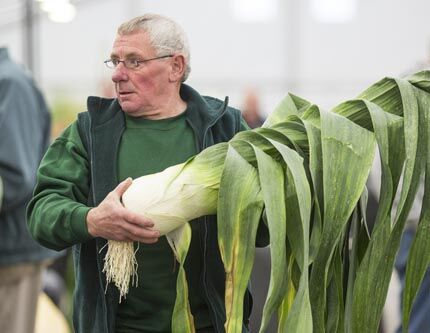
x=74 y=176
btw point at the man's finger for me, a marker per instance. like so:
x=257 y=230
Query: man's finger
x=139 y=233
x=123 y=186
x=138 y=219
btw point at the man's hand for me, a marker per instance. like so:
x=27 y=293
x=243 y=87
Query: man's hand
x=110 y=220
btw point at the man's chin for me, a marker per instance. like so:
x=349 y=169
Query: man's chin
x=130 y=111
x=125 y=106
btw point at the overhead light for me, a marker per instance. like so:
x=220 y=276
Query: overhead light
x=63 y=14
x=333 y=11
x=60 y=11
x=254 y=10
x=52 y=5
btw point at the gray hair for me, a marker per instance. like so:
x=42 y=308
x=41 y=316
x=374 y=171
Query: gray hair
x=165 y=35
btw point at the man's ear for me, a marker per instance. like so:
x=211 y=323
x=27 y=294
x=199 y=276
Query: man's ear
x=178 y=67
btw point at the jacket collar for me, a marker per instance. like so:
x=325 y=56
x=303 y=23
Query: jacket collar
x=102 y=109
x=202 y=113
x=206 y=112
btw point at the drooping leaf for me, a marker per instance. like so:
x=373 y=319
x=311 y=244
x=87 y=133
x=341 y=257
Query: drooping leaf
x=239 y=211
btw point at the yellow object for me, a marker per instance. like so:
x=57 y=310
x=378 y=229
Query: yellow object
x=49 y=319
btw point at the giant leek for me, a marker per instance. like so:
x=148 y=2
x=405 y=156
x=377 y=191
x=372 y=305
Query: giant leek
x=304 y=172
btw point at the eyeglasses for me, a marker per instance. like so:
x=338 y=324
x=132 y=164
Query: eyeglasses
x=131 y=63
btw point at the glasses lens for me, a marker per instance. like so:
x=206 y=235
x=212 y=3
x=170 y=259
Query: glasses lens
x=131 y=63
x=110 y=64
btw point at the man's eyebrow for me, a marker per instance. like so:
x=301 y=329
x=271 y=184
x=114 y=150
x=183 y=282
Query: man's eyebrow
x=127 y=56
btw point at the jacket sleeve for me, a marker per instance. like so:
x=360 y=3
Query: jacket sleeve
x=56 y=215
x=24 y=126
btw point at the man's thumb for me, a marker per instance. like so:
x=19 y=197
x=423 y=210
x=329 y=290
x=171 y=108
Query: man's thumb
x=123 y=186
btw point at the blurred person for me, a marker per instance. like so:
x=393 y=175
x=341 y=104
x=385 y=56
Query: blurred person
x=154 y=122
x=24 y=137
x=107 y=88
x=251 y=111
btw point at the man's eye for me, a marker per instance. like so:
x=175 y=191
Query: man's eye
x=115 y=61
x=133 y=62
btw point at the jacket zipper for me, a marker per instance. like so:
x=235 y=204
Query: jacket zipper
x=202 y=146
x=105 y=321
x=103 y=293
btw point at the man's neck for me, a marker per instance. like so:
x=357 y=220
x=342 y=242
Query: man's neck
x=168 y=105
x=170 y=108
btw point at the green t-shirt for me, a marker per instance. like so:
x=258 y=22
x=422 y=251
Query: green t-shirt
x=150 y=146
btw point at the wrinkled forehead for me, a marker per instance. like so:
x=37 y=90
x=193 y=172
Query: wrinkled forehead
x=135 y=43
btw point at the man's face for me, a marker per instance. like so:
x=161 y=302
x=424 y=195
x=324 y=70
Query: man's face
x=141 y=90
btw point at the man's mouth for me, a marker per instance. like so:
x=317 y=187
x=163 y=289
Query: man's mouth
x=124 y=93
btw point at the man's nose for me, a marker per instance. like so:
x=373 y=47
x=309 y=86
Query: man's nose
x=119 y=73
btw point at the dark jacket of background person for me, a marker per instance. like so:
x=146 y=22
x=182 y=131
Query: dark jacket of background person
x=24 y=137
x=94 y=309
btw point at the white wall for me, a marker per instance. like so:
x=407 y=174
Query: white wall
x=386 y=38
x=325 y=63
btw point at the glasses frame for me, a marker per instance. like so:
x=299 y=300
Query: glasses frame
x=109 y=63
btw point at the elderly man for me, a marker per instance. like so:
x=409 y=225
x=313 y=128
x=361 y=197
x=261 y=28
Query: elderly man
x=156 y=121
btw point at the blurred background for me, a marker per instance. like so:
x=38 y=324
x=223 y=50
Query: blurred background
x=254 y=51
x=325 y=51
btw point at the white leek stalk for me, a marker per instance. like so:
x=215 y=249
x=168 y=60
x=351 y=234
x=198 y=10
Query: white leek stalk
x=170 y=198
